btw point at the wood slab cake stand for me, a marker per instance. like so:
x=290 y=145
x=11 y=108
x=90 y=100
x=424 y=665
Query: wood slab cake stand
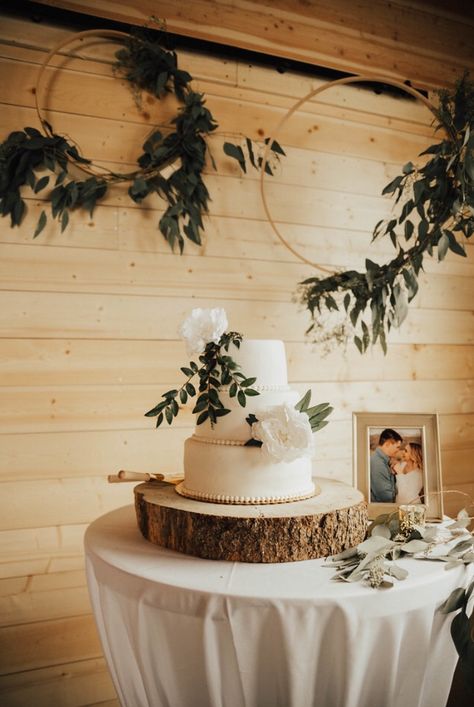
x=324 y=525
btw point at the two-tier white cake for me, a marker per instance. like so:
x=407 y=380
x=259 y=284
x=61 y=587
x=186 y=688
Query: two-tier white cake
x=218 y=465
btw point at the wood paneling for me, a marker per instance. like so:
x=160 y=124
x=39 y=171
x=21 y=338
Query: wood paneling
x=137 y=317
x=114 y=272
x=401 y=39
x=87 y=408
x=88 y=318
x=72 y=684
x=47 y=597
x=60 y=362
x=41 y=644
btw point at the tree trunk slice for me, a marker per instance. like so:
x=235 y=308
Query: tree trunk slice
x=324 y=525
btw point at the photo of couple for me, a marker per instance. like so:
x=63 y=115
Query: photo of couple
x=396 y=465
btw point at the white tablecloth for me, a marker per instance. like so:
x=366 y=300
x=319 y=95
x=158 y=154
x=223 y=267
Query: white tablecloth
x=179 y=631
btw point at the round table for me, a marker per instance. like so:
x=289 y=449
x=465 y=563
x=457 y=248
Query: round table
x=180 y=631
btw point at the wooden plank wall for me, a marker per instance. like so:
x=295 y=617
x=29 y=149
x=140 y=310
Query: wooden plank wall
x=407 y=39
x=88 y=321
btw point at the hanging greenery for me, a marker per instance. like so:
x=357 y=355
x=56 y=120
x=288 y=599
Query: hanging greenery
x=26 y=154
x=436 y=214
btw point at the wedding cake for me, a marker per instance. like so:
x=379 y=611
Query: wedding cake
x=219 y=465
x=253 y=441
x=246 y=494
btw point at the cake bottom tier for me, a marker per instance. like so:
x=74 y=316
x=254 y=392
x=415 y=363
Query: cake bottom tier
x=242 y=475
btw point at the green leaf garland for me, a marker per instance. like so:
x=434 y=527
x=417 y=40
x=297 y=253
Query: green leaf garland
x=436 y=215
x=26 y=154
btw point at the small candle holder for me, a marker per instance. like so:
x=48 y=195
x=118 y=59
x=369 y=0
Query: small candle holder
x=410 y=516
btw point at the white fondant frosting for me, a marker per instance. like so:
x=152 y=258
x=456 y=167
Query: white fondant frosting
x=218 y=467
x=220 y=472
x=263 y=358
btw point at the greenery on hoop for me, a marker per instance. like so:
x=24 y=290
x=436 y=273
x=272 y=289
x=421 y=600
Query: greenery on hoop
x=437 y=212
x=217 y=369
x=147 y=66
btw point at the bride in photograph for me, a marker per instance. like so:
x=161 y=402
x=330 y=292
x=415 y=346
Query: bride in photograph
x=409 y=473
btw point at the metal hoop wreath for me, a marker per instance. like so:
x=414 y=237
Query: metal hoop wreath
x=103 y=33
x=287 y=116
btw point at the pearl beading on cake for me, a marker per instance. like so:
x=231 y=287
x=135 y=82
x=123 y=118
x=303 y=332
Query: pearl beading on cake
x=242 y=500
x=224 y=442
x=262 y=388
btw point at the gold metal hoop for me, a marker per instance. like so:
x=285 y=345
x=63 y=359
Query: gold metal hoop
x=103 y=33
x=287 y=116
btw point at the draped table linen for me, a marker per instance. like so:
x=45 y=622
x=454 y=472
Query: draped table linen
x=180 y=631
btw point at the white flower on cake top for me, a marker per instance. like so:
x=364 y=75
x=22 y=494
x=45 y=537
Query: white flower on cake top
x=201 y=327
x=285 y=433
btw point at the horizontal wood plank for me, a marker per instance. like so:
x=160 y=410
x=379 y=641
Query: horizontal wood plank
x=245 y=238
x=457 y=465
x=98 y=137
x=48 y=541
x=22 y=40
x=27 y=607
x=350 y=103
x=73 y=408
x=32 y=563
x=47 y=643
x=96 y=58
x=134 y=230
x=289 y=31
x=76 y=684
x=115 y=272
x=65 y=454
x=63 y=502
x=102 y=316
x=46 y=362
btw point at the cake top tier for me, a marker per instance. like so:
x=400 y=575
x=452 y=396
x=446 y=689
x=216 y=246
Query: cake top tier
x=264 y=359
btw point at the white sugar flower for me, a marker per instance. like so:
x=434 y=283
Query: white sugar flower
x=201 y=327
x=285 y=433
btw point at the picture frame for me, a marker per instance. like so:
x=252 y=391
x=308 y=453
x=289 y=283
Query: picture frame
x=412 y=466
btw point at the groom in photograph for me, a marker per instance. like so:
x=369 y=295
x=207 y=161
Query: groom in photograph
x=382 y=480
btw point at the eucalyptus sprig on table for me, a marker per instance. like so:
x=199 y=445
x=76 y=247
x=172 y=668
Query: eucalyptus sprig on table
x=27 y=154
x=215 y=370
x=436 y=205
x=374 y=558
